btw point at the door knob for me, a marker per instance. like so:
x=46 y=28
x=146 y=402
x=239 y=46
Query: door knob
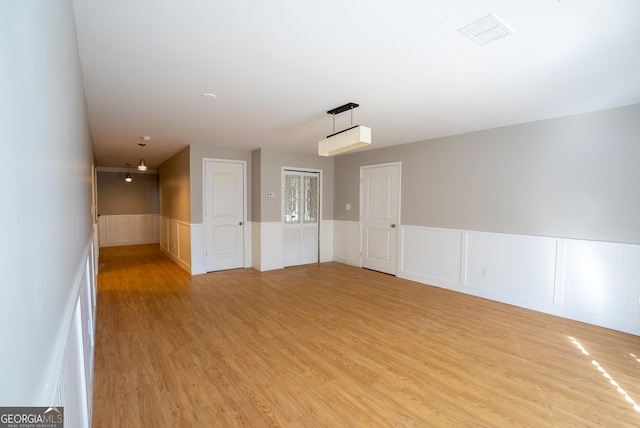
x=240 y=223
x=393 y=226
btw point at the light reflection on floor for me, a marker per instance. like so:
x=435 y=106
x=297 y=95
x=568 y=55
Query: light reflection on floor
x=607 y=376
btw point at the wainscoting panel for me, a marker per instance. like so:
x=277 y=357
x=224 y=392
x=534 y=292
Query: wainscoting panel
x=431 y=253
x=248 y=242
x=593 y=282
x=270 y=245
x=522 y=266
x=326 y=241
x=184 y=242
x=255 y=245
x=164 y=233
x=173 y=239
x=266 y=242
x=116 y=230
x=73 y=374
x=177 y=244
x=599 y=278
x=346 y=242
x=87 y=318
x=198 y=266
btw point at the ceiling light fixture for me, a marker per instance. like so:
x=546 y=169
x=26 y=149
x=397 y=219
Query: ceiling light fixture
x=142 y=165
x=128 y=177
x=347 y=139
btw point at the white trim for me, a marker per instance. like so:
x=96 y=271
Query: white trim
x=589 y=281
x=177 y=260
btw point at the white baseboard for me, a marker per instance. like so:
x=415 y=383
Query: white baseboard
x=176 y=260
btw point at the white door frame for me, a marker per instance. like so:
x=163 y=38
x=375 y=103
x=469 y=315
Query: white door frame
x=360 y=215
x=282 y=201
x=244 y=203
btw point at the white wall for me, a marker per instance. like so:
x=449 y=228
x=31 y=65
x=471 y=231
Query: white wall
x=45 y=183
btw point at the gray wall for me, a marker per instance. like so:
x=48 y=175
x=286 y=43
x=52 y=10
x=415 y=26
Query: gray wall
x=256 y=185
x=264 y=169
x=574 y=177
x=117 y=197
x=270 y=170
x=46 y=187
x=175 y=187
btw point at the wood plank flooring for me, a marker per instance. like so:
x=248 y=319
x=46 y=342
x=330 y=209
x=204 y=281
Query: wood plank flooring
x=330 y=345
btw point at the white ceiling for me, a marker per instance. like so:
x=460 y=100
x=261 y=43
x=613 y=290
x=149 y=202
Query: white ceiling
x=277 y=66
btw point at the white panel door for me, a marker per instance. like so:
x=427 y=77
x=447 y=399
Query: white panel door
x=224 y=215
x=380 y=216
x=301 y=208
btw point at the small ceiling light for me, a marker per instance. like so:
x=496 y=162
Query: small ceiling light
x=209 y=95
x=142 y=165
x=347 y=139
x=128 y=178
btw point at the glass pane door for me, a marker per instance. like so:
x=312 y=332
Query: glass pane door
x=292 y=199
x=301 y=212
x=310 y=199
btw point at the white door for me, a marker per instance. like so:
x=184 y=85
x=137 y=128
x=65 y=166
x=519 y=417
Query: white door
x=301 y=200
x=380 y=216
x=224 y=215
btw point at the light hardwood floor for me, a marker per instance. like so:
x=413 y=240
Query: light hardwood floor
x=329 y=345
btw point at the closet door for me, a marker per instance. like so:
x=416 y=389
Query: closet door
x=301 y=217
x=224 y=197
x=380 y=216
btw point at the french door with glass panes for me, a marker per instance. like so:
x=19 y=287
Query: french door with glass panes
x=301 y=208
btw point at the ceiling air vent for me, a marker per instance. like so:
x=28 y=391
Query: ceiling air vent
x=487 y=30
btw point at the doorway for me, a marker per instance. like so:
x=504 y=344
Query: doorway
x=380 y=216
x=224 y=214
x=301 y=216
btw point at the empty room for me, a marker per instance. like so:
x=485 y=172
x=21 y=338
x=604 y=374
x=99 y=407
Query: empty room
x=335 y=214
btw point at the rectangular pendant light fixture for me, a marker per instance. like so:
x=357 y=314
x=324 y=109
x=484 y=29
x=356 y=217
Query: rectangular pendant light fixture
x=345 y=140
